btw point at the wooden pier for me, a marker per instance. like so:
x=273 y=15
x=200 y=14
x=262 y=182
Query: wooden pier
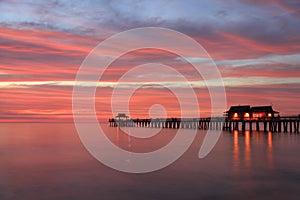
x=277 y=124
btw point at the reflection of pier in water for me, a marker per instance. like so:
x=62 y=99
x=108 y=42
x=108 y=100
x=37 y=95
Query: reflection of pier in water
x=243 y=153
x=276 y=124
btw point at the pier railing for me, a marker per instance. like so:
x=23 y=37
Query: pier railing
x=277 y=124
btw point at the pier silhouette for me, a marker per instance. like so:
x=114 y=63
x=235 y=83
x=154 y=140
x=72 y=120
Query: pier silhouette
x=241 y=117
x=288 y=124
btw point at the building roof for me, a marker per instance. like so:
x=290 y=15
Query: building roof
x=245 y=108
x=121 y=115
x=263 y=109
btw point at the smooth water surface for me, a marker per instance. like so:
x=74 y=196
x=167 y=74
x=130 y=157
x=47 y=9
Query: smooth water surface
x=48 y=161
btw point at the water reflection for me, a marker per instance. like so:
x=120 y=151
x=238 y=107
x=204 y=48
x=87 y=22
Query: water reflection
x=270 y=149
x=247 y=149
x=270 y=142
x=129 y=139
x=118 y=137
x=243 y=152
x=48 y=161
x=236 y=159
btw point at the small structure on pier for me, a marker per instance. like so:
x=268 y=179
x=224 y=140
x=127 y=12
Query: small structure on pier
x=120 y=120
x=246 y=112
x=238 y=112
x=263 y=112
x=121 y=116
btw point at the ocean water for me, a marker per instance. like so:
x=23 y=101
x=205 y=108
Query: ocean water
x=48 y=161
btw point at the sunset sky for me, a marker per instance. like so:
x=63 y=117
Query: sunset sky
x=255 y=44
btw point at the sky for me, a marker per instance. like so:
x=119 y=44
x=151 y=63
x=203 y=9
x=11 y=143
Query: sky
x=255 y=45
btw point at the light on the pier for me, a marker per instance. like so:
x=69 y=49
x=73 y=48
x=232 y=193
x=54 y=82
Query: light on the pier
x=246 y=115
x=269 y=114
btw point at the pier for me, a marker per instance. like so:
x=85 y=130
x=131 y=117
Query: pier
x=288 y=124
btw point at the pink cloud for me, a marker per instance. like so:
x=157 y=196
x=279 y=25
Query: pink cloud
x=37 y=55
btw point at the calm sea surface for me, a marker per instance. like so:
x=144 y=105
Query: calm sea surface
x=48 y=161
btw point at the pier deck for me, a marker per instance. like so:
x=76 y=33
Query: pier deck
x=278 y=124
